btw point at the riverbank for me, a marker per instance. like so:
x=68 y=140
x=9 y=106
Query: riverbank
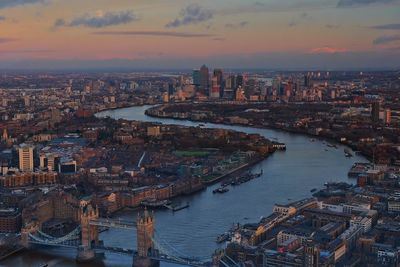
x=299 y=131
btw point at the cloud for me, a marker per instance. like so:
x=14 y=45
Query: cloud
x=27 y=51
x=236 y=25
x=386 y=27
x=192 y=14
x=14 y=3
x=99 y=20
x=6 y=40
x=303 y=16
x=359 y=3
x=2 y=18
x=385 y=39
x=327 y=50
x=155 y=33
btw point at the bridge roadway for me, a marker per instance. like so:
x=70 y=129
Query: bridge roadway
x=127 y=252
x=114 y=223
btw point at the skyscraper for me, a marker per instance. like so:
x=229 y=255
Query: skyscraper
x=307 y=80
x=239 y=80
x=220 y=81
x=204 y=77
x=196 y=77
x=215 y=88
x=25 y=155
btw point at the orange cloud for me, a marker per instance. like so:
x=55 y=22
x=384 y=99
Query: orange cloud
x=327 y=50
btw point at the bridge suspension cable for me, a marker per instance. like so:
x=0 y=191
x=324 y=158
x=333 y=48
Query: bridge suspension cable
x=182 y=254
x=53 y=240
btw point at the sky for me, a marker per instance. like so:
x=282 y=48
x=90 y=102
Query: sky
x=184 y=34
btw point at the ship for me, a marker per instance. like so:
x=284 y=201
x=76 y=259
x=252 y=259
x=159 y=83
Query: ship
x=220 y=190
x=178 y=208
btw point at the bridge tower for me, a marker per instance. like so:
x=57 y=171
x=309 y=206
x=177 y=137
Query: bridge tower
x=30 y=228
x=90 y=233
x=145 y=233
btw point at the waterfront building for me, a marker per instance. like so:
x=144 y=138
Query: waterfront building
x=22 y=179
x=10 y=221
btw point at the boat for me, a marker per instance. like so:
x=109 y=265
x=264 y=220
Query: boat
x=154 y=204
x=220 y=190
x=347 y=153
x=313 y=190
x=181 y=207
x=312 y=140
x=222 y=238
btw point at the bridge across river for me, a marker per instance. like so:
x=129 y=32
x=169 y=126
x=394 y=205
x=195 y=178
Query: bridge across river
x=85 y=239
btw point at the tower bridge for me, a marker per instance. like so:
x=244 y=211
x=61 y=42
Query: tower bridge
x=85 y=239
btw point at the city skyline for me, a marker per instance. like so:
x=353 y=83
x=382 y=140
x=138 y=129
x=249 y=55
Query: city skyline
x=309 y=34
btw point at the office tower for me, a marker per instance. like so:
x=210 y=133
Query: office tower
x=204 y=77
x=231 y=82
x=196 y=77
x=307 y=80
x=220 y=80
x=375 y=111
x=25 y=155
x=171 y=90
x=230 y=87
x=250 y=88
x=215 y=88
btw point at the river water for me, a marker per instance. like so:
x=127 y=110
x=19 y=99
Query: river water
x=288 y=175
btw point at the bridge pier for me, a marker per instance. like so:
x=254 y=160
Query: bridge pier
x=85 y=254
x=145 y=262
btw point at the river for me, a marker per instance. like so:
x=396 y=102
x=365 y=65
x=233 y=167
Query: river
x=288 y=175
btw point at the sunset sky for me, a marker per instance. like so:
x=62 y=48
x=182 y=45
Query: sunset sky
x=292 y=34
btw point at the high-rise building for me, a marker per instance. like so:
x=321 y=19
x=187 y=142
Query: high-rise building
x=215 y=88
x=375 y=111
x=239 y=80
x=25 y=155
x=220 y=81
x=204 y=77
x=307 y=80
x=196 y=77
